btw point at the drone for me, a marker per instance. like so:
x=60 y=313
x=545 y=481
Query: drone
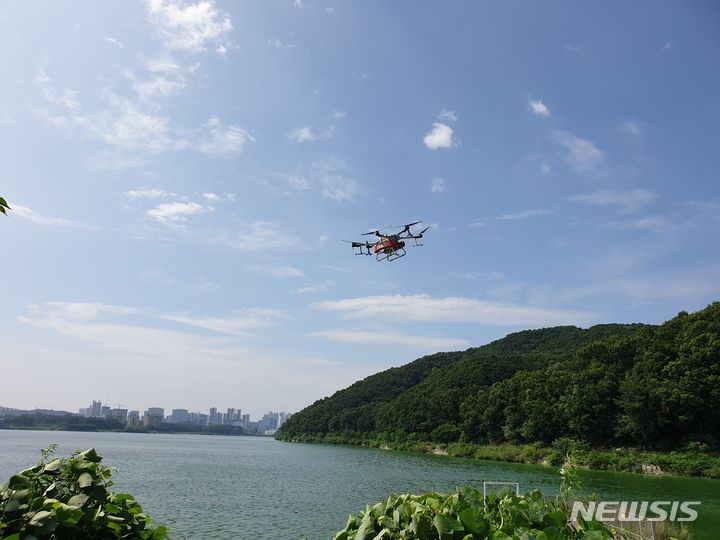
x=389 y=247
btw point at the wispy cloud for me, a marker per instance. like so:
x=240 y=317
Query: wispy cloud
x=441 y=136
x=175 y=213
x=383 y=338
x=525 y=214
x=301 y=135
x=438 y=185
x=422 y=307
x=277 y=43
x=219 y=139
x=251 y=237
x=191 y=27
x=581 y=155
x=627 y=201
x=23 y=212
x=327 y=178
x=447 y=116
x=632 y=127
x=280 y=272
x=538 y=108
x=147 y=193
x=667 y=46
x=113 y=41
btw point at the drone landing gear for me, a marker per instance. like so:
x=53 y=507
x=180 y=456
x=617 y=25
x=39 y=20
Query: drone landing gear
x=390 y=255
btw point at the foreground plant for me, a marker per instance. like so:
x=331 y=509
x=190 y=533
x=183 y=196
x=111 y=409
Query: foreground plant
x=468 y=515
x=70 y=498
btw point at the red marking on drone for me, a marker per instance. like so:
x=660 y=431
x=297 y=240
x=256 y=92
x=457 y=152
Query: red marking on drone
x=389 y=246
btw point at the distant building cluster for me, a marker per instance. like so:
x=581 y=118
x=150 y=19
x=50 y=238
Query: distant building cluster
x=155 y=416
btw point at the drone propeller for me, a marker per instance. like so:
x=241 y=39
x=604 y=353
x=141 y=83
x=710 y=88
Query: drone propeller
x=358 y=244
x=375 y=232
x=420 y=234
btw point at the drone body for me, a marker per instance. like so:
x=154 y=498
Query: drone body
x=389 y=247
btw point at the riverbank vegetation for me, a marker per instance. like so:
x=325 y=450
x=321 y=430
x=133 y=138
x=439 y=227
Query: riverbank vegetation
x=471 y=514
x=71 y=498
x=636 y=398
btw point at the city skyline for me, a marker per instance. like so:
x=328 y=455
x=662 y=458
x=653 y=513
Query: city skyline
x=182 y=175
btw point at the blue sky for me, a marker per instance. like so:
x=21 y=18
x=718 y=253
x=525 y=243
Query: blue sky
x=182 y=175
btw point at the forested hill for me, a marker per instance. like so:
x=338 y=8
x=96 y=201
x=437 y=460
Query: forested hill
x=652 y=386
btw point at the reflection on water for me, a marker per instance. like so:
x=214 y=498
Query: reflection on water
x=217 y=487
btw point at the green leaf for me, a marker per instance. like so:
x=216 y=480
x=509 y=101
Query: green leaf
x=90 y=455
x=40 y=518
x=558 y=518
x=85 y=480
x=78 y=500
x=444 y=527
x=53 y=466
x=472 y=518
x=18 y=482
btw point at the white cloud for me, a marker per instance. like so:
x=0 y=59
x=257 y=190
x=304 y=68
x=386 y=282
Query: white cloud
x=632 y=127
x=147 y=193
x=438 y=185
x=537 y=107
x=393 y=338
x=239 y=326
x=280 y=272
x=441 y=136
x=582 y=155
x=422 y=307
x=667 y=46
x=221 y=50
x=336 y=187
x=113 y=41
x=277 y=43
x=525 y=214
x=301 y=135
x=158 y=86
x=628 y=201
x=447 y=116
x=23 y=212
x=218 y=139
x=315 y=288
x=174 y=213
x=190 y=27
x=252 y=237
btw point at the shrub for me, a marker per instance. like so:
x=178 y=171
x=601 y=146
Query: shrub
x=69 y=498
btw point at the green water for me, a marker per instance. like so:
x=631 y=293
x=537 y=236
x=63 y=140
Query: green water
x=212 y=487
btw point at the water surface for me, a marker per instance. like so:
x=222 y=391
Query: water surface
x=215 y=487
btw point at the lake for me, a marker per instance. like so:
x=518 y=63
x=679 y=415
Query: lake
x=215 y=487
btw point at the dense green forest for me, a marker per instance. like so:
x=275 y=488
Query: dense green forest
x=652 y=387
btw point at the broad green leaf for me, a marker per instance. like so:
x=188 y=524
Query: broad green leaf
x=90 y=454
x=557 y=518
x=78 y=500
x=444 y=527
x=53 y=466
x=40 y=518
x=472 y=518
x=85 y=480
x=18 y=482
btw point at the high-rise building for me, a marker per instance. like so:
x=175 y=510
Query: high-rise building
x=179 y=416
x=121 y=415
x=133 y=418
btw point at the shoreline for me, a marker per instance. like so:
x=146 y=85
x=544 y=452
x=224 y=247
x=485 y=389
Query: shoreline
x=686 y=463
x=134 y=431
